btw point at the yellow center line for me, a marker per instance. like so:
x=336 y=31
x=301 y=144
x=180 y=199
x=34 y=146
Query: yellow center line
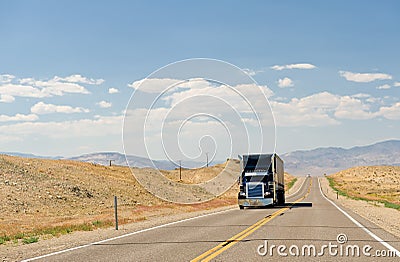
x=215 y=251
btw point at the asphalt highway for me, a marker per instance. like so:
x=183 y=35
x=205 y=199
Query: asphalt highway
x=308 y=228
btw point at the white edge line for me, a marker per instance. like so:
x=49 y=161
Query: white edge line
x=388 y=246
x=125 y=235
x=292 y=194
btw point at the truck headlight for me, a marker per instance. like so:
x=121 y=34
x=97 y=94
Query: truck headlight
x=242 y=194
x=267 y=193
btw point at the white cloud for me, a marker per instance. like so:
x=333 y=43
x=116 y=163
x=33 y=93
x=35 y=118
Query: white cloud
x=79 y=79
x=42 y=108
x=11 y=87
x=251 y=72
x=6 y=99
x=29 y=87
x=154 y=85
x=361 y=95
x=391 y=112
x=293 y=66
x=285 y=82
x=21 y=90
x=97 y=127
x=57 y=88
x=363 y=77
x=18 y=117
x=385 y=86
x=104 y=104
x=6 y=78
x=320 y=109
x=351 y=108
x=396 y=84
x=113 y=90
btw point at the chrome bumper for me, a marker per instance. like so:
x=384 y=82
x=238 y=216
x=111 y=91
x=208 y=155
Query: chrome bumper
x=255 y=202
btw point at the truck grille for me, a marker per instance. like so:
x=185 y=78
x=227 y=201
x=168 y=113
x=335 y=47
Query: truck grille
x=255 y=190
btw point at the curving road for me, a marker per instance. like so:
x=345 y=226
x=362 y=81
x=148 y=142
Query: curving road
x=298 y=231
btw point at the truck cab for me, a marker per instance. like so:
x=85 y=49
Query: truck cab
x=261 y=181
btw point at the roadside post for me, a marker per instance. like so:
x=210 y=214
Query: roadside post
x=116 y=212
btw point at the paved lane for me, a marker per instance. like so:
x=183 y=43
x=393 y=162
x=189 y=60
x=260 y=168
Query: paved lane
x=299 y=225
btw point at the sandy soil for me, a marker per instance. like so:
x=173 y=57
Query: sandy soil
x=371 y=182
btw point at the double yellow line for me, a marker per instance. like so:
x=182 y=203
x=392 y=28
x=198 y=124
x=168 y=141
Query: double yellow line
x=215 y=251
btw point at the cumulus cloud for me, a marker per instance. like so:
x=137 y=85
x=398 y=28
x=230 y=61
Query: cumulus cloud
x=251 y=72
x=104 y=104
x=361 y=95
x=390 y=112
x=42 y=108
x=6 y=78
x=285 y=82
x=293 y=66
x=363 y=77
x=320 y=109
x=79 y=79
x=113 y=90
x=385 y=86
x=18 y=118
x=10 y=89
x=6 y=99
x=98 y=126
x=396 y=84
x=154 y=85
x=29 y=87
x=351 y=108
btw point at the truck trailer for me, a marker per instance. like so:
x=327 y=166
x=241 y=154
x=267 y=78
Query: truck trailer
x=261 y=181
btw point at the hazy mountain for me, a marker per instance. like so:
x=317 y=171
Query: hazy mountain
x=318 y=161
x=27 y=155
x=134 y=161
x=332 y=159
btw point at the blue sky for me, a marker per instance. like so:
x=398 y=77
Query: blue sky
x=332 y=67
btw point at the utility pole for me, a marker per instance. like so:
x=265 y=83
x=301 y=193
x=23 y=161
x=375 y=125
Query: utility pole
x=207 y=158
x=111 y=162
x=180 y=170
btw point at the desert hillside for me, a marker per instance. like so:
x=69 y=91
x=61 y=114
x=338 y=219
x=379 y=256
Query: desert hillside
x=375 y=183
x=42 y=197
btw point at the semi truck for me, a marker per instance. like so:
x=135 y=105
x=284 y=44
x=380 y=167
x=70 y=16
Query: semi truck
x=261 y=181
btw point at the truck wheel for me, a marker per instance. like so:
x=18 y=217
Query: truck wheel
x=281 y=198
x=241 y=207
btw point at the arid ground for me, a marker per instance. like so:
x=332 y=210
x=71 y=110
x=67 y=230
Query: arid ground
x=42 y=198
x=375 y=183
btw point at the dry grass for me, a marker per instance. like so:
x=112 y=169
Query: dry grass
x=196 y=175
x=374 y=183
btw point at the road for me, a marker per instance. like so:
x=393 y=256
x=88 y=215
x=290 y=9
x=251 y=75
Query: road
x=252 y=235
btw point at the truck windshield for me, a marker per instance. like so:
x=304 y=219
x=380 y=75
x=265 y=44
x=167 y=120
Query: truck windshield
x=257 y=163
x=257 y=179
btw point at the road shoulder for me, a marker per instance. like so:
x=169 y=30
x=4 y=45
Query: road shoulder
x=386 y=218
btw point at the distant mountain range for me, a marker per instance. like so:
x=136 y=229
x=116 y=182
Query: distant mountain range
x=333 y=159
x=315 y=162
x=134 y=161
x=120 y=160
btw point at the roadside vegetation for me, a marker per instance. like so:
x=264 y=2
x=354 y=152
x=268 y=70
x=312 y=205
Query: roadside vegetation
x=291 y=183
x=35 y=235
